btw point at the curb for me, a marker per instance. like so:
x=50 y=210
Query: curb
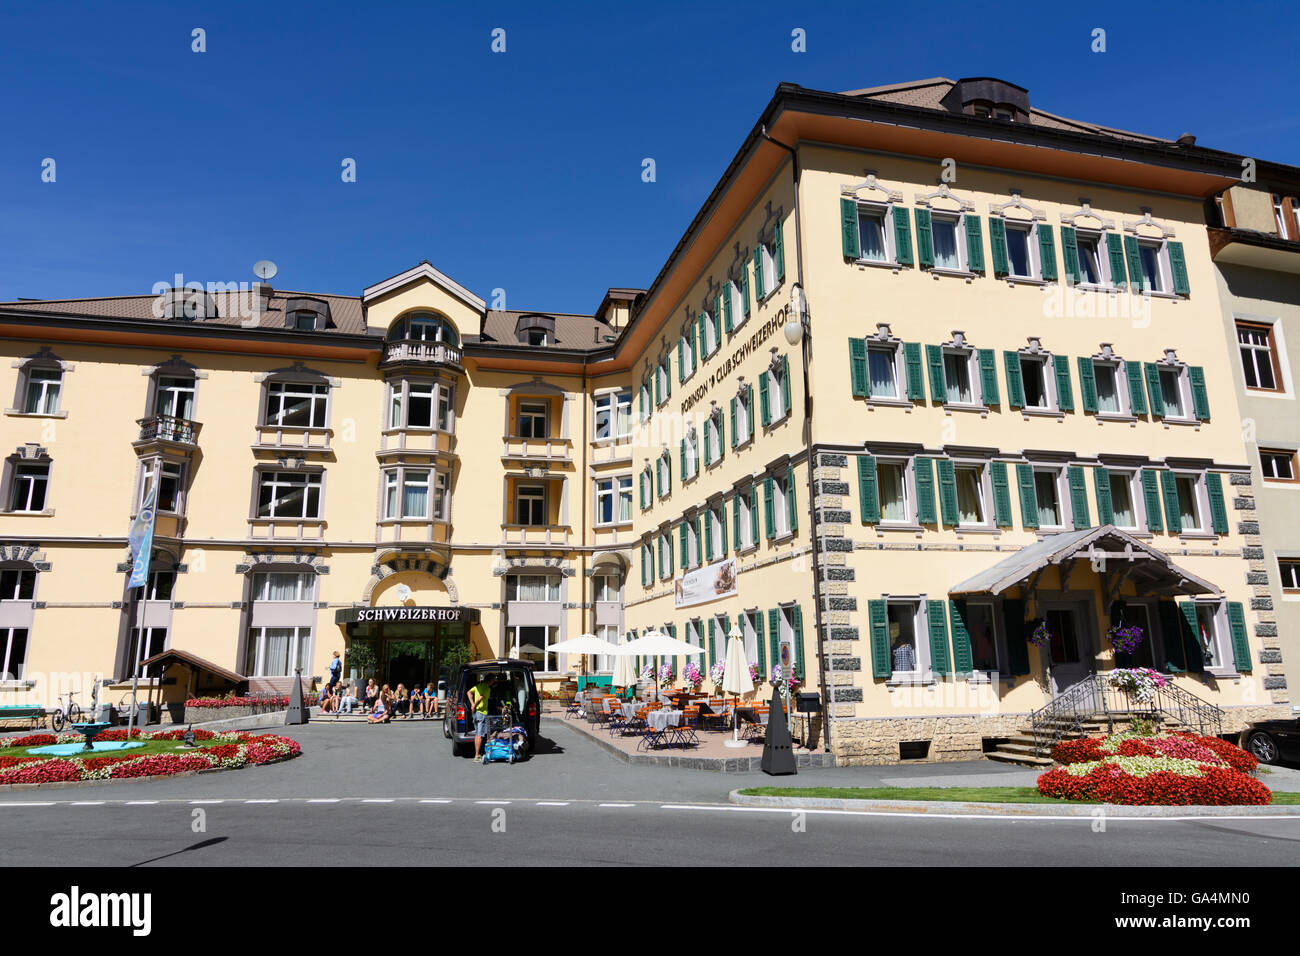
x=685 y=762
x=948 y=808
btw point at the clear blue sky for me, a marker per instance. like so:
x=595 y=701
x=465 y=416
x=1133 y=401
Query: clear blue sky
x=518 y=170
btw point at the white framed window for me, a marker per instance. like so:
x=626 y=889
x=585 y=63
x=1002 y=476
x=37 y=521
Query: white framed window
x=1153 y=257
x=691 y=549
x=1112 y=388
x=1192 y=509
x=893 y=486
x=175 y=398
x=1279 y=215
x=430 y=328
x=44 y=387
x=743 y=430
x=1214 y=635
x=909 y=653
x=731 y=288
x=1260 y=358
x=1047 y=491
x=1278 y=464
x=972 y=496
x=613 y=417
x=297 y=586
x=17 y=584
x=171 y=485
x=716 y=516
x=664 y=465
x=664 y=387
x=607 y=588
x=708 y=331
x=30 y=485
x=1094 y=259
x=947 y=238
x=748 y=622
x=289 y=494
x=534 y=642
x=13 y=652
x=1125 y=500
x=533 y=418
x=748 y=520
x=530 y=505
x=883 y=374
x=646 y=399
x=982 y=629
x=1288 y=570
x=690 y=456
x=876 y=241
x=441 y=497
x=781 y=504
x=713 y=437
x=1022 y=251
x=159 y=586
x=297 y=404
x=768 y=260
x=665 y=556
x=686 y=352
x=278 y=651
x=778 y=391
x=1174 y=390
x=412 y=405
x=958 y=378
x=1037 y=382
x=535 y=588
x=614 y=500
x=407 y=492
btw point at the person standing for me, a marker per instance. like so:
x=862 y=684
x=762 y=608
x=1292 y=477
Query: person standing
x=336 y=670
x=479 y=695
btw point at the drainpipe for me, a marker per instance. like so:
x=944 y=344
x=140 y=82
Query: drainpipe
x=582 y=553
x=798 y=302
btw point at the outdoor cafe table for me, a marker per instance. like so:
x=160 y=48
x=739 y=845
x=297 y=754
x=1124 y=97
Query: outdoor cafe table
x=662 y=719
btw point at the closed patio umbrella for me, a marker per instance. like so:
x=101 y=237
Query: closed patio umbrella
x=624 y=670
x=735 y=678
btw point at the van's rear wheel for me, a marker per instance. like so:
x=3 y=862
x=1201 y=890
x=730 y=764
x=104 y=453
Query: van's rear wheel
x=459 y=749
x=446 y=727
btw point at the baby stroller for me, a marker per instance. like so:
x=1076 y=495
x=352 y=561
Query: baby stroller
x=506 y=739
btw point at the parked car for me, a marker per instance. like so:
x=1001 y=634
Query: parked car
x=513 y=682
x=1273 y=740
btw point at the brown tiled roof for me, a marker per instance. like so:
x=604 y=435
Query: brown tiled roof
x=232 y=309
x=927 y=93
x=572 y=331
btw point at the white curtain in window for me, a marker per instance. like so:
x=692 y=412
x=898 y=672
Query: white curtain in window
x=415 y=497
x=880 y=369
x=892 y=505
x=968 y=497
x=275 y=662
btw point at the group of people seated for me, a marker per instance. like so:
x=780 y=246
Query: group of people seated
x=380 y=703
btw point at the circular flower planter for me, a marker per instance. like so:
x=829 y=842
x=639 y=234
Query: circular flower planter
x=226 y=751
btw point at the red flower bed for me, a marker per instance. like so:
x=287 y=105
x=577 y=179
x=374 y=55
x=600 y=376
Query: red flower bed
x=176 y=735
x=1183 y=744
x=1240 y=760
x=1078 y=751
x=158 y=764
x=238 y=702
x=1217 y=786
x=7 y=762
x=31 y=740
x=119 y=733
x=42 y=771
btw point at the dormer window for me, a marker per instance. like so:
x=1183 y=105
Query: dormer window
x=535 y=330
x=187 y=305
x=303 y=321
x=306 y=315
x=538 y=337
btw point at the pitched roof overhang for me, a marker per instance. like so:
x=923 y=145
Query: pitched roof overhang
x=194 y=662
x=1105 y=547
x=1259 y=250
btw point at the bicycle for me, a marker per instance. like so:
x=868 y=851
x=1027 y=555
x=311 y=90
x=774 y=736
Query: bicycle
x=69 y=713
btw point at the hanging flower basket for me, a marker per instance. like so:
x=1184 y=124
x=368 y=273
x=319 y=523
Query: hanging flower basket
x=1041 y=636
x=1125 y=638
x=1139 y=683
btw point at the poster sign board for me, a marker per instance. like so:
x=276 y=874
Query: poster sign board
x=707 y=583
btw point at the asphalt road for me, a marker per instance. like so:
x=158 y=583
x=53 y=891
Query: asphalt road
x=386 y=795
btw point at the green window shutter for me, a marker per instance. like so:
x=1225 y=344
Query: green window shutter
x=974 y=244
x=989 y=377
x=1172 y=626
x=858 y=367
x=1136 y=395
x=753 y=512
x=735 y=523
x=796 y=625
x=787 y=393
x=717 y=319
x=1173 y=518
x=672 y=563
x=791 y=501
x=915 y=376
x=1101 y=490
x=703 y=337
x=1151 y=498
x=778 y=253
x=645 y=503
x=749 y=403
x=939 y=661
x=849 y=229
x=764 y=413
x=1218 y=513
x=721 y=436
x=644 y=398
x=1191 y=638
x=1078 y=497
x=868 y=493
x=722 y=529
x=658 y=397
x=708 y=539
x=1240 y=645
x=668 y=375
x=695 y=523
x=733 y=422
x=713 y=629
x=1013 y=623
x=726 y=308
x=1178 y=266
x=962 y=661
x=878 y=618
x=902 y=236
x=924 y=239
x=938 y=387
x=1070 y=254
x=769 y=507
x=686 y=544
x=947 y=492
x=645 y=568
x=1087 y=384
x=923 y=472
x=1134 y=259
x=1001 y=494
x=1046 y=251
x=759 y=642
x=758 y=274
x=774 y=637
x=744 y=287
x=998 y=241
x=1028 y=496
x=1015 y=383
x=1154 y=395
x=1064 y=390
x=683 y=472
x=1200 y=398
x=681 y=358
x=1115 y=249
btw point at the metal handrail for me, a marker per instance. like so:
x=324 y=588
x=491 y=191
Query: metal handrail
x=1065 y=714
x=168 y=428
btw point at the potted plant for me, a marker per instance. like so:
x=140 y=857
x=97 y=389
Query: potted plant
x=1125 y=638
x=692 y=674
x=1138 y=683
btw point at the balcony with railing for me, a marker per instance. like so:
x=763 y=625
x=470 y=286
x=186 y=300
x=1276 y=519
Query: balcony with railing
x=168 y=429
x=422 y=352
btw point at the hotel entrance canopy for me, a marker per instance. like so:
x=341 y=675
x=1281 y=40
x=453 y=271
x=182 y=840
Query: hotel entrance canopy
x=1115 y=555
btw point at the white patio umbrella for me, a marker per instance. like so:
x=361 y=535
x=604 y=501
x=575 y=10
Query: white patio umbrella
x=735 y=678
x=624 y=670
x=584 y=644
x=659 y=644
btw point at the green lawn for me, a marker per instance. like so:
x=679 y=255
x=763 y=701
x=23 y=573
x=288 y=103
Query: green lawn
x=954 y=794
x=150 y=747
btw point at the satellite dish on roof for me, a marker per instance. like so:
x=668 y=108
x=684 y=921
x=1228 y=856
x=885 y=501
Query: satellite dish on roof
x=265 y=269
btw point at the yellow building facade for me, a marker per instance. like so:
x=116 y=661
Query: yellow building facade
x=929 y=398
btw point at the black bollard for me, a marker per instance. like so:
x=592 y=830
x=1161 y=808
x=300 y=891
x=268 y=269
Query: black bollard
x=778 y=749
x=297 y=712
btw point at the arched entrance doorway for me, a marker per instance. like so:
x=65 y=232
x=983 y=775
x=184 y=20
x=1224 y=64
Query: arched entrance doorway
x=410 y=635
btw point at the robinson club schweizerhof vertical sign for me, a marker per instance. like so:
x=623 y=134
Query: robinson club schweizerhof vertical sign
x=141 y=537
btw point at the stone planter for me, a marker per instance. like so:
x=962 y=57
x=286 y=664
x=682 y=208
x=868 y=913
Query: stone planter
x=195 y=715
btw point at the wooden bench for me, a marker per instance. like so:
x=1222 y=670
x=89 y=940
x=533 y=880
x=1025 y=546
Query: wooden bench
x=33 y=715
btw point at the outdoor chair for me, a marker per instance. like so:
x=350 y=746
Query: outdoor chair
x=614 y=719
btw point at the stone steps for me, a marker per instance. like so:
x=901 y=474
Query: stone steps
x=1020 y=748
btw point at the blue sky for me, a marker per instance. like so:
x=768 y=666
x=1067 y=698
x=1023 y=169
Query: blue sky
x=519 y=170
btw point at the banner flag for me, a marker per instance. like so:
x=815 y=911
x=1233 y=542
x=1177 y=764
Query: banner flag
x=141 y=538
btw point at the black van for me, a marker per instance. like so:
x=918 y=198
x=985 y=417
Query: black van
x=512 y=680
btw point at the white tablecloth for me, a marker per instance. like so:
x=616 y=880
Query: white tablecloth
x=663 y=719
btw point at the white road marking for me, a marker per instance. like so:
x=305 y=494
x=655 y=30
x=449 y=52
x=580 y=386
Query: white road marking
x=141 y=803
x=261 y=801
x=377 y=800
x=195 y=803
x=28 y=804
x=494 y=803
x=553 y=803
x=436 y=801
x=88 y=803
x=617 y=804
x=323 y=800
